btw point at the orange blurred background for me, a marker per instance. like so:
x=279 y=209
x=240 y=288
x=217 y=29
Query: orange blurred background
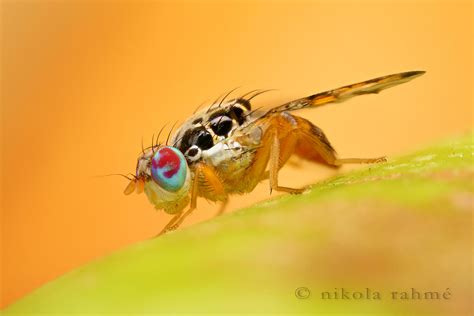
x=83 y=82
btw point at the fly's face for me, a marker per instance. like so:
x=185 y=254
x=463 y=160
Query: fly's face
x=163 y=174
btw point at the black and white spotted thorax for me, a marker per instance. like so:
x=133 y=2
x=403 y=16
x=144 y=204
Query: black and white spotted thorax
x=204 y=130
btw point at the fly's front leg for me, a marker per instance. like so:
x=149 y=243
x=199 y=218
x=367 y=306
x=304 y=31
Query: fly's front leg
x=204 y=177
x=170 y=224
x=274 y=165
x=211 y=181
x=183 y=217
x=179 y=218
x=194 y=193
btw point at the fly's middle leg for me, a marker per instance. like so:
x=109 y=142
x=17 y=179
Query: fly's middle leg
x=274 y=166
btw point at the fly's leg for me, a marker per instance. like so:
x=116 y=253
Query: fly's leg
x=271 y=155
x=274 y=165
x=170 y=224
x=313 y=145
x=179 y=218
x=222 y=208
x=207 y=178
x=219 y=212
x=182 y=218
x=204 y=177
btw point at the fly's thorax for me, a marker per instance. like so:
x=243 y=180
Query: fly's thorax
x=237 y=151
x=210 y=127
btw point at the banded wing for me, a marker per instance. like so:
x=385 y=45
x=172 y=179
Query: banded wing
x=344 y=93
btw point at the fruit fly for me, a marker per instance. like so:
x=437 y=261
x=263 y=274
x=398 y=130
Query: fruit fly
x=229 y=148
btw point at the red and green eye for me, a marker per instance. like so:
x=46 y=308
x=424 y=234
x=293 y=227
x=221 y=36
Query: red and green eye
x=168 y=168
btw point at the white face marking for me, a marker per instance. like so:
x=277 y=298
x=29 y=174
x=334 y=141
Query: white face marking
x=196 y=151
x=221 y=152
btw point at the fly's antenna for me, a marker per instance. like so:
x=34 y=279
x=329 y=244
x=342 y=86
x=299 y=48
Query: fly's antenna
x=118 y=174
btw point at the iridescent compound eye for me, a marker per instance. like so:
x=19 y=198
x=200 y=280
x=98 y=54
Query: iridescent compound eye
x=168 y=168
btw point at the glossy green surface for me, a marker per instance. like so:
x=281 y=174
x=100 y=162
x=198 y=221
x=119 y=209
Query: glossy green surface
x=390 y=227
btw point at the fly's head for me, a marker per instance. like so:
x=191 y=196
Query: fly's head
x=163 y=174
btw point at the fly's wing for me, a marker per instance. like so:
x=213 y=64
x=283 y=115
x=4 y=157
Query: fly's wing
x=344 y=93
